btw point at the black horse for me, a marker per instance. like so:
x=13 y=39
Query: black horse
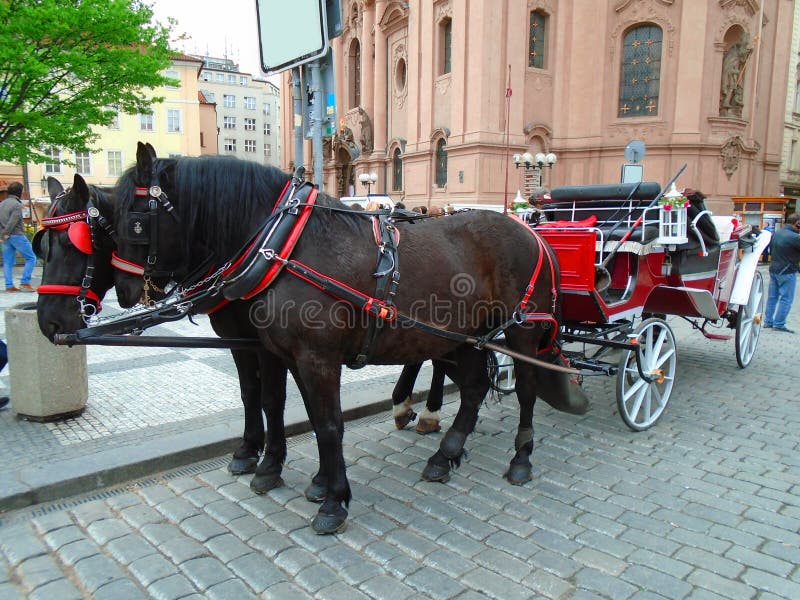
x=473 y=273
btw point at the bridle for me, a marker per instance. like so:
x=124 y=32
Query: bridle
x=81 y=230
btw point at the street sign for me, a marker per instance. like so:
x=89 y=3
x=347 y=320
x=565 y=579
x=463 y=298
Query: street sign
x=291 y=33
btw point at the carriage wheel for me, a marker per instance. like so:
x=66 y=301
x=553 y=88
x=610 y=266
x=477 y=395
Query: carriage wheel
x=640 y=402
x=748 y=322
x=502 y=377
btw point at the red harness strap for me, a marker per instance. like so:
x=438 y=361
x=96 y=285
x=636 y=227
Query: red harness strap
x=69 y=290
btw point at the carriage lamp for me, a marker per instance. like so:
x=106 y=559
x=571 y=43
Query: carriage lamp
x=368 y=179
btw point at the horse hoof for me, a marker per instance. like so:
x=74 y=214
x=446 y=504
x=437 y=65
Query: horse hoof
x=326 y=524
x=316 y=492
x=242 y=466
x=519 y=474
x=261 y=484
x=426 y=426
x=436 y=473
x=400 y=421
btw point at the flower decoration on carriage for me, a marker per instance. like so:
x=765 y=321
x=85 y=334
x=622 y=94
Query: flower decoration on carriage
x=672 y=201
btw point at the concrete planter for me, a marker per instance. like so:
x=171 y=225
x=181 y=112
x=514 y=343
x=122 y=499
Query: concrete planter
x=47 y=382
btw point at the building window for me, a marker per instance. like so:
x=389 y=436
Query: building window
x=232 y=79
x=53 y=164
x=267 y=109
x=230 y=145
x=172 y=74
x=267 y=129
x=267 y=150
x=173 y=120
x=229 y=122
x=145 y=122
x=445 y=46
x=114 y=163
x=83 y=163
x=249 y=124
x=354 y=63
x=243 y=80
x=229 y=101
x=114 y=124
x=640 y=72
x=537 y=39
x=209 y=96
x=206 y=76
x=202 y=140
x=249 y=103
x=249 y=145
x=441 y=163
x=220 y=77
x=397 y=171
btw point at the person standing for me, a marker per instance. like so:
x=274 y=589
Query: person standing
x=14 y=240
x=783 y=269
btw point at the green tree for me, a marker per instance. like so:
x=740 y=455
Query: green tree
x=66 y=65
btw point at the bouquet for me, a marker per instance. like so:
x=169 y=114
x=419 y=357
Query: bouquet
x=670 y=202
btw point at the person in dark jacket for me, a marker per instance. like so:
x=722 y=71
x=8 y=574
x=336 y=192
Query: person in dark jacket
x=14 y=240
x=785 y=246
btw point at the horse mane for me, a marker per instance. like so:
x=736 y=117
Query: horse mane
x=219 y=198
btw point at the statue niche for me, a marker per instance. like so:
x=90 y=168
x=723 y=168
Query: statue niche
x=734 y=63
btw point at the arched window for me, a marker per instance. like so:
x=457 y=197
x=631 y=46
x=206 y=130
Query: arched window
x=445 y=46
x=441 y=163
x=537 y=39
x=640 y=77
x=355 y=74
x=397 y=171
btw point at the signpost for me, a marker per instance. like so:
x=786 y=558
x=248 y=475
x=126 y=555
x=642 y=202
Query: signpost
x=295 y=35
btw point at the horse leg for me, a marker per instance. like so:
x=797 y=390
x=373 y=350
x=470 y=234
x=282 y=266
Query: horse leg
x=520 y=468
x=473 y=381
x=321 y=380
x=273 y=398
x=245 y=457
x=401 y=396
x=318 y=488
x=429 y=417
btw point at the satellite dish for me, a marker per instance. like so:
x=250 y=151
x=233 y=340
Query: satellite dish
x=634 y=151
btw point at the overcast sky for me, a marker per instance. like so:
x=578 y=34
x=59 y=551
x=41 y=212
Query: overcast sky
x=218 y=28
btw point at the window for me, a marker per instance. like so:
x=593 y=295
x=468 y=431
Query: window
x=445 y=45
x=793 y=156
x=250 y=146
x=537 y=39
x=230 y=145
x=229 y=122
x=267 y=109
x=441 y=163
x=114 y=163
x=249 y=103
x=232 y=79
x=641 y=71
x=206 y=76
x=249 y=124
x=209 y=96
x=146 y=122
x=354 y=63
x=229 y=101
x=397 y=171
x=53 y=164
x=267 y=129
x=172 y=74
x=220 y=77
x=173 y=120
x=83 y=163
x=267 y=150
x=114 y=124
x=243 y=80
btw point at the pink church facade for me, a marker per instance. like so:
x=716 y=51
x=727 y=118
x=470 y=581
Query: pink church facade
x=422 y=92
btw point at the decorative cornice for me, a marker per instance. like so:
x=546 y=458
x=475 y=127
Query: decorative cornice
x=751 y=6
x=623 y=4
x=655 y=11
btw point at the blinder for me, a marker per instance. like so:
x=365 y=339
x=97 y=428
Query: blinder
x=80 y=234
x=41 y=244
x=137 y=229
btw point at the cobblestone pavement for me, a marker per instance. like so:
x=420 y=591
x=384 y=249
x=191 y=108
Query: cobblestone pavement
x=704 y=505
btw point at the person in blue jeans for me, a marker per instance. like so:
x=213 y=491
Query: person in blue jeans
x=785 y=246
x=14 y=240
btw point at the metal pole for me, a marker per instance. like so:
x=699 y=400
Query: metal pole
x=298 y=118
x=316 y=122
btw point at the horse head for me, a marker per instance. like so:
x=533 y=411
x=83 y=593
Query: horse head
x=75 y=244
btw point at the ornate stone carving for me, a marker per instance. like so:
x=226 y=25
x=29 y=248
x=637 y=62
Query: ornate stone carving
x=751 y=6
x=655 y=131
x=399 y=94
x=731 y=153
x=444 y=9
x=734 y=63
x=442 y=83
x=547 y=6
x=655 y=11
x=623 y=4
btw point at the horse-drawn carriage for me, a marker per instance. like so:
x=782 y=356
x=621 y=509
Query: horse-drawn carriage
x=182 y=220
x=626 y=262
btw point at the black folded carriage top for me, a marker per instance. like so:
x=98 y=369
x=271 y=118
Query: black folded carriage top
x=647 y=190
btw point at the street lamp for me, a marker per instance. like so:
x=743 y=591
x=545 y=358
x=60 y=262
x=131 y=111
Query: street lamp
x=535 y=163
x=368 y=179
x=44 y=185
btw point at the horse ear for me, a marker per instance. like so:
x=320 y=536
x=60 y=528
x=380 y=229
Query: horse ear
x=145 y=155
x=54 y=187
x=80 y=189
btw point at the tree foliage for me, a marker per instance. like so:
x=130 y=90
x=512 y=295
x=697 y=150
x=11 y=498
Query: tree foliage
x=65 y=65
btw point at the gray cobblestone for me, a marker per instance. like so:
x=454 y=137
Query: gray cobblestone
x=270 y=543
x=600 y=560
x=667 y=585
x=181 y=548
x=606 y=585
x=119 y=589
x=150 y=569
x=553 y=562
x=341 y=591
x=129 y=548
x=764 y=581
x=61 y=589
x=177 y=509
x=205 y=572
x=202 y=528
x=230 y=590
x=257 y=572
x=720 y=585
x=19 y=543
x=225 y=511
x=227 y=547
x=315 y=577
x=57 y=538
x=38 y=571
x=140 y=515
x=70 y=554
x=282 y=591
x=96 y=571
x=494 y=585
x=171 y=588
x=105 y=530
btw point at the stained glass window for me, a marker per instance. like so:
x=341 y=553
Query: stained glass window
x=641 y=72
x=537 y=38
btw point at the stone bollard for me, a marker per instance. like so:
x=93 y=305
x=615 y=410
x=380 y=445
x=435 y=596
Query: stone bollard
x=47 y=382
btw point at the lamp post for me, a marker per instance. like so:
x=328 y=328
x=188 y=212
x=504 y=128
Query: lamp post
x=44 y=185
x=368 y=179
x=535 y=164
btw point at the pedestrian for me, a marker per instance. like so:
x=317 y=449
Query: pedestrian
x=765 y=256
x=783 y=274
x=3 y=363
x=14 y=240
x=536 y=200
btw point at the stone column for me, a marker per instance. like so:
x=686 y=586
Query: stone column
x=381 y=93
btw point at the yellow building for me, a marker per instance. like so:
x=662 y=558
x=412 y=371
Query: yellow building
x=173 y=129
